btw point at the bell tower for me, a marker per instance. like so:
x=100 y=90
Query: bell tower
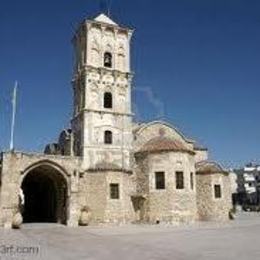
x=102 y=116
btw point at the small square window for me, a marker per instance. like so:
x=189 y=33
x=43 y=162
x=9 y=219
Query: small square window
x=160 y=180
x=179 y=181
x=217 y=191
x=114 y=191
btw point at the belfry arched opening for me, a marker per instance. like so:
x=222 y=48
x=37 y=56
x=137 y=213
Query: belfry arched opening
x=45 y=196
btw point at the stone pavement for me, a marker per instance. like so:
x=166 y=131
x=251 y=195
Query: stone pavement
x=238 y=239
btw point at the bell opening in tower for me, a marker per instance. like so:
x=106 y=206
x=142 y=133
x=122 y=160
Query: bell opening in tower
x=108 y=60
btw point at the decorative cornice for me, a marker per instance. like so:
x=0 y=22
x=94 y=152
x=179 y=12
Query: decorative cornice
x=86 y=69
x=109 y=169
x=111 y=26
x=107 y=112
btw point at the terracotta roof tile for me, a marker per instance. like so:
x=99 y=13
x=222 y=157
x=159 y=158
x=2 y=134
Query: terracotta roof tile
x=209 y=167
x=161 y=143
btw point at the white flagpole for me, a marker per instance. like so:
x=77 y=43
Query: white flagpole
x=13 y=116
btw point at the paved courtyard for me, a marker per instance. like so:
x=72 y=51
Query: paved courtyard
x=240 y=239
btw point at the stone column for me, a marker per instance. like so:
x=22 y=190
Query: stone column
x=10 y=188
x=73 y=207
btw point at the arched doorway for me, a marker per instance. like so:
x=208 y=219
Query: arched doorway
x=45 y=195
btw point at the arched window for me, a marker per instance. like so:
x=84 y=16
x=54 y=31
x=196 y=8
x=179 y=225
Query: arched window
x=108 y=137
x=108 y=100
x=108 y=59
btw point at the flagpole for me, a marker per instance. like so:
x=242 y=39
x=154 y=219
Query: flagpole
x=13 y=116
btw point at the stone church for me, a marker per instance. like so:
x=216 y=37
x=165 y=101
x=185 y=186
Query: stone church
x=106 y=166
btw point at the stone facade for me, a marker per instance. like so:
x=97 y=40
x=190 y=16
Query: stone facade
x=106 y=166
x=16 y=166
x=213 y=202
x=169 y=204
x=157 y=150
x=94 y=192
x=102 y=74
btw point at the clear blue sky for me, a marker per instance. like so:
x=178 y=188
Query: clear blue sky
x=196 y=63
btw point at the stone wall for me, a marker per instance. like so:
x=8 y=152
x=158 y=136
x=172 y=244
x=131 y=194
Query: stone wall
x=92 y=80
x=201 y=155
x=95 y=194
x=91 y=189
x=139 y=199
x=96 y=151
x=15 y=167
x=169 y=204
x=209 y=207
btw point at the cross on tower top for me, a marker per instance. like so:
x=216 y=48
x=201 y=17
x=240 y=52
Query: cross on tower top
x=105 y=6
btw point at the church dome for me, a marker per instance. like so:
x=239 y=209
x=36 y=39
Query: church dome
x=162 y=144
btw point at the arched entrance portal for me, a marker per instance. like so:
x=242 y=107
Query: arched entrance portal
x=45 y=195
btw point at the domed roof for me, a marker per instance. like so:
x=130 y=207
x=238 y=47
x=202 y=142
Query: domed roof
x=209 y=167
x=162 y=144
